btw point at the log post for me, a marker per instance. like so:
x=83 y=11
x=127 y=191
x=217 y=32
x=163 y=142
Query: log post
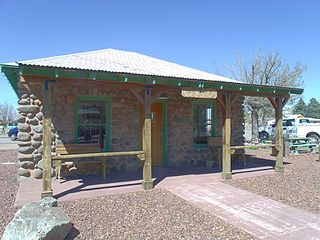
x=226 y=139
x=47 y=142
x=279 y=135
x=146 y=142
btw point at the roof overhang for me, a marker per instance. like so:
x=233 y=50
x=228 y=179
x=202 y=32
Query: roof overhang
x=14 y=71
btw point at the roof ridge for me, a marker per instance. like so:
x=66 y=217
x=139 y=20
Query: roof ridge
x=66 y=55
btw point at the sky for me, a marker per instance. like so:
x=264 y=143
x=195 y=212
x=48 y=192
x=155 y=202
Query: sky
x=206 y=35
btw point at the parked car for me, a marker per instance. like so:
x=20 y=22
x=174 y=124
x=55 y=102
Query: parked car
x=13 y=133
x=293 y=126
x=11 y=125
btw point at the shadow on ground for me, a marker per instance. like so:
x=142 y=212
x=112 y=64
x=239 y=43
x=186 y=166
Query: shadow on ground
x=116 y=180
x=72 y=234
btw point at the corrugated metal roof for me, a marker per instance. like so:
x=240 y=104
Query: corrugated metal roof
x=118 y=61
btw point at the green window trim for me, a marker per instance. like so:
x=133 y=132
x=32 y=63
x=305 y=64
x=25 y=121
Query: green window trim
x=164 y=132
x=105 y=99
x=212 y=103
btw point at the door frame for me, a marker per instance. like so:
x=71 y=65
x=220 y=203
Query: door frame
x=164 y=162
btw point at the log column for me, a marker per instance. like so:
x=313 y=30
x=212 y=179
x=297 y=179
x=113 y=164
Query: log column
x=47 y=142
x=146 y=142
x=278 y=103
x=226 y=138
x=279 y=135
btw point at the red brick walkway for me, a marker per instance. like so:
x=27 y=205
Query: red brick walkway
x=260 y=216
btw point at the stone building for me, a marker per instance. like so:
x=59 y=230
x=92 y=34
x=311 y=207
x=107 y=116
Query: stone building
x=103 y=97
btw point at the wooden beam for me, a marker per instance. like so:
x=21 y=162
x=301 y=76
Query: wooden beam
x=252 y=146
x=273 y=102
x=138 y=96
x=155 y=97
x=285 y=100
x=226 y=151
x=146 y=141
x=47 y=142
x=234 y=99
x=279 y=135
x=220 y=101
x=140 y=154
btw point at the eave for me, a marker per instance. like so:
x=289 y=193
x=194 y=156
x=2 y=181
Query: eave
x=13 y=72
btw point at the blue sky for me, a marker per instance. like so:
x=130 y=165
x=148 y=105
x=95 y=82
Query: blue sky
x=203 y=34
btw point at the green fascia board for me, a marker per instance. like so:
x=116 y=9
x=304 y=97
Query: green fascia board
x=164 y=133
x=11 y=73
x=51 y=72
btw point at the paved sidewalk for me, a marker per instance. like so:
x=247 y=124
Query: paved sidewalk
x=6 y=143
x=260 y=216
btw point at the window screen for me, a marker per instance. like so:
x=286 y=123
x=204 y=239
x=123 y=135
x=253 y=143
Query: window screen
x=92 y=122
x=202 y=128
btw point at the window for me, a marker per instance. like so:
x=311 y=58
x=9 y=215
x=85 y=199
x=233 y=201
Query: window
x=288 y=123
x=92 y=121
x=202 y=122
x=305 y=120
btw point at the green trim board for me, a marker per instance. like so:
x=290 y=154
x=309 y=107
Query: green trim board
x=164 y=132
x=11 y=73
x=212 y=103
x=51 y=72
x=105 y=99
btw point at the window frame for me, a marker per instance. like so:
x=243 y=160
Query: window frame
x=104 y=99
x=212 y=103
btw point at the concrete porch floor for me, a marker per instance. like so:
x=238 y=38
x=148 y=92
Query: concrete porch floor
x=94 y=186
x=116 y=183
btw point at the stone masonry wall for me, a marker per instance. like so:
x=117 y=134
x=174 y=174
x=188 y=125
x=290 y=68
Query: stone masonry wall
x=30 y=126
x=125 y=126
x=180 y=150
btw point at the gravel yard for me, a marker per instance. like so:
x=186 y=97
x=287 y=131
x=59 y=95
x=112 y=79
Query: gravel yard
x=298 y=186
x=9 y=186
x=155 y=214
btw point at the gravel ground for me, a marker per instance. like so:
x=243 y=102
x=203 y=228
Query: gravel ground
x=298 y=186
x=155 y=214
x=8 y=187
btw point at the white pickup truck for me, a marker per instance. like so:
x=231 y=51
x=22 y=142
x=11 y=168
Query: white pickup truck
x=294 y=126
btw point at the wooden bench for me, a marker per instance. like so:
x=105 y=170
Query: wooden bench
x=77 y=149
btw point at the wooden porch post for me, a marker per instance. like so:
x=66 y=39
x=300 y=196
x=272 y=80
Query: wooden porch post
x=279 y=135
x=226 y=139
x=146 y=142
x=46 y=179
x=278 y=104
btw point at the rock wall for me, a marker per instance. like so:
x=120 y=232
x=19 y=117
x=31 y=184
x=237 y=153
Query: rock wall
x=181 y=150
x=30 y=126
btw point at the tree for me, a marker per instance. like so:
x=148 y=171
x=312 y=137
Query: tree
x=7 y=113
x=265 y=69
x=300 y=108
x=313 y=109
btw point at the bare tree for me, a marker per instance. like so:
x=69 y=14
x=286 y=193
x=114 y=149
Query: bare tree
x=265 y=69
x=7 y=113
